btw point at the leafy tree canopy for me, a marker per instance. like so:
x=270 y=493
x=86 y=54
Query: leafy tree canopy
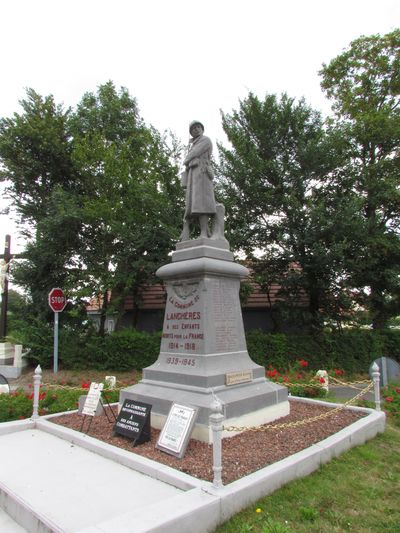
x=99 y=189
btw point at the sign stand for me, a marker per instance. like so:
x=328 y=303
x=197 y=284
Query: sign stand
x=91 y=403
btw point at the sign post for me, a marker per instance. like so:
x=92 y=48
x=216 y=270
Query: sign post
x=57 y=303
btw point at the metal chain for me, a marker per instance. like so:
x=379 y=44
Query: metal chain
x=349 y=383
x=70 y=387
x=304 y=421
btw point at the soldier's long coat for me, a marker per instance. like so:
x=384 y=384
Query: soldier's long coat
x=200 y=198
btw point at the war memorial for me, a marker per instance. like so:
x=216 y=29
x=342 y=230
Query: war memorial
x=203 y=354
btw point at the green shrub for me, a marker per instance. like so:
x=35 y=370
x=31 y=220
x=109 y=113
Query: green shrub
x=14 y=406
x=352 y=350
x=19 y=404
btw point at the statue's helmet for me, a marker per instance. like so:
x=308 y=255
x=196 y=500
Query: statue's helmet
x=195 y=123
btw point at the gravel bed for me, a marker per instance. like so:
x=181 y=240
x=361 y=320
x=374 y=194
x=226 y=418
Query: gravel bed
x=241 y=454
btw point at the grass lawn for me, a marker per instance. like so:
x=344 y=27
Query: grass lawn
x=358 y=492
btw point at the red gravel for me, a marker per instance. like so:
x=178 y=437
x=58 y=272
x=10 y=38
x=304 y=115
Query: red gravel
x=241 y=454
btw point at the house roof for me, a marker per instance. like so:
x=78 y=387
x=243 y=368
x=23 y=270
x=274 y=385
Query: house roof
x=154 y=297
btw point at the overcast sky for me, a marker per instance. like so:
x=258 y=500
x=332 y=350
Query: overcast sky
x=181 y=60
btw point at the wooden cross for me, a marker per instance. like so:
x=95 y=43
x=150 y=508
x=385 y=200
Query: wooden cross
x=5 y=268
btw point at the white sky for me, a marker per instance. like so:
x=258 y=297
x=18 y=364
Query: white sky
x=181 y=60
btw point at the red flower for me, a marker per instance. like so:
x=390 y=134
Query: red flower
x=42 y=396
x=398 y=390
x=30 y=385
x=30 y=396
x=285 y=379
x=338 y=372
x=321 y=380
x=303 y=363
x=389 y=399
x=85 y=385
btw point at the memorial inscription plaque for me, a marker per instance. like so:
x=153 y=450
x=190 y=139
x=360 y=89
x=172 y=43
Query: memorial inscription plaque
x=133 y=421
x=175 y=434
x=92 y=399
x=234 y=378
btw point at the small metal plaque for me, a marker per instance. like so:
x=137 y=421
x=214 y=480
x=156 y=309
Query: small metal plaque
x=243 y=376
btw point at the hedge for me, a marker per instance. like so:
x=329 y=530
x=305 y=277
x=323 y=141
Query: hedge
x=352 y=351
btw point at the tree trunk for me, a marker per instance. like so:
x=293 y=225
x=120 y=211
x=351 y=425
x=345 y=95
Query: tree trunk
x=103 y=314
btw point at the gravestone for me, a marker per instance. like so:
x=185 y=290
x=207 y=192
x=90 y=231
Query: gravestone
x=4 y=386
x=203 y=348
x=389 y=370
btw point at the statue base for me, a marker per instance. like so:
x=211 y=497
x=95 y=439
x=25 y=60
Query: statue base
x=203 y=348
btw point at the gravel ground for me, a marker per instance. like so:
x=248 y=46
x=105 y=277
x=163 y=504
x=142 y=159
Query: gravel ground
x=241 y=454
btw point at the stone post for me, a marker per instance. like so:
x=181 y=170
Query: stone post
x=216 y=419
x=376 y=378
x=18 y=355
x=37 y=378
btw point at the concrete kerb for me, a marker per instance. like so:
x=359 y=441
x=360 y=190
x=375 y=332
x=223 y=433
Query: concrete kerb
x=201 y=506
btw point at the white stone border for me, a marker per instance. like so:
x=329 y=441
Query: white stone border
x=202 y=507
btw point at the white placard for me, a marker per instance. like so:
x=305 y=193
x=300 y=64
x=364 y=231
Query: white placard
x=92 y=399
x=175 y=434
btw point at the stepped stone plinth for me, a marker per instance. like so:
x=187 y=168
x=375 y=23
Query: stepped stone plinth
x=203 y=348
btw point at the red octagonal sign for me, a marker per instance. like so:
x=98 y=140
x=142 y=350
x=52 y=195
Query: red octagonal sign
x=57 y=300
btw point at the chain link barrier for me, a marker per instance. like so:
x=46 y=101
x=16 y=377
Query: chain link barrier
x=304 y=421
x=263 y=427
x=351 y=384
x=72 y=387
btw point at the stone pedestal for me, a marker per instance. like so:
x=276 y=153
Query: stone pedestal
x=203 y=348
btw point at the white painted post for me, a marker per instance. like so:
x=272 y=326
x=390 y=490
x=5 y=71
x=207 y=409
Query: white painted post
x=216 y=420
x=376 y=377
x=18 y=355
x=37 y=378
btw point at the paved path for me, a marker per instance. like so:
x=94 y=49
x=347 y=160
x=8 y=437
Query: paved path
x=69 y=485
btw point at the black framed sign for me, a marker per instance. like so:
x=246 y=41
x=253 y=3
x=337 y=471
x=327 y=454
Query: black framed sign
x=133 y=421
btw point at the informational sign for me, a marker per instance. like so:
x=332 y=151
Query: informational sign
x=389 y=370
x=176 y=432
x=133 y=421
x=92 y=399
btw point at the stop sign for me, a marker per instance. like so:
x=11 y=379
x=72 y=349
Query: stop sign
x=57 y=300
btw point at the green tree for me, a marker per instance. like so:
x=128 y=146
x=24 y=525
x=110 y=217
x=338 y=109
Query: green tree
x=43 y=184
x=129 y=211
x=284 y=202
x=100 y=192
x=364 y=85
